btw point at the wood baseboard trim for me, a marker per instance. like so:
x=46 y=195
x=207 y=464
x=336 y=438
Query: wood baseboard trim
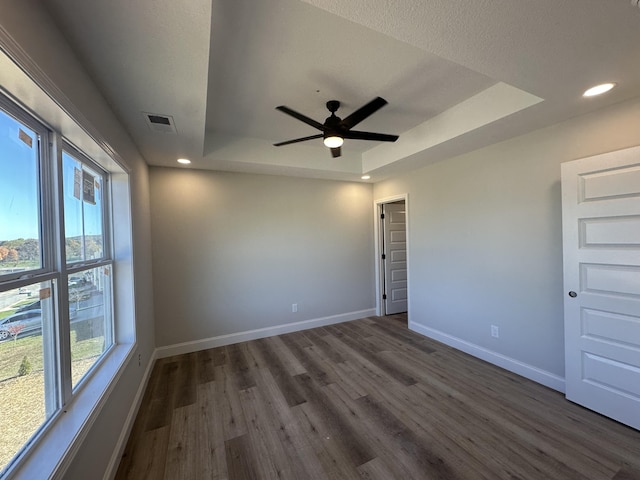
x=114 y=462
x=219 y=341
x=536 y=374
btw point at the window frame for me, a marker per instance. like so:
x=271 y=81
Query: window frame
x=79 y=156
x=57 y=357
x=67 y=269
x=45 y=183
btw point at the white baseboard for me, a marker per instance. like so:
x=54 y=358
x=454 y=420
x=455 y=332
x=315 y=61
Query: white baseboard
x=536 y=374
x=114 y=463
x=212 y=342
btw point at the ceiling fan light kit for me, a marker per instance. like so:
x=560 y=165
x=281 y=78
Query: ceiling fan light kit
x=333 y=141
x=335 y=130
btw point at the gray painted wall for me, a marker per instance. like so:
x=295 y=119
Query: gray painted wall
x=485 y=240
x=232 y=252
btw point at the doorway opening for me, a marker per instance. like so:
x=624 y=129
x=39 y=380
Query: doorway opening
x=392 y=257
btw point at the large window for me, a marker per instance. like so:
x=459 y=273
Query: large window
x=56 y=272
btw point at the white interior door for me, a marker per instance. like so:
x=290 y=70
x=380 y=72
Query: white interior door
x=601 y=239
x=395 y=257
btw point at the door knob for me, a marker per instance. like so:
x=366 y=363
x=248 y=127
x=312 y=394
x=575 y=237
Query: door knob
x=573 y=294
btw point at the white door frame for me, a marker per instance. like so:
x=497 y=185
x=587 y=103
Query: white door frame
x=377 y=210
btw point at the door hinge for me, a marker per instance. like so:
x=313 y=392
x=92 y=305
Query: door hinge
x=384 y=296
x=382 y=216
x=384 y=256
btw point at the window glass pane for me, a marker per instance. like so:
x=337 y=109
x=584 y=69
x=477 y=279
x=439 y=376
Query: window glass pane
x=90 y=317
x=83 y=189
x=27 y=393
x=19 y=197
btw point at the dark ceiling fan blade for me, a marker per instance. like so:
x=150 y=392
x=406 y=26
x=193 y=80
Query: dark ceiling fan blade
x=301 y=117
x=336 y=152
x=363 y=112
x=296 y=140
x=379 y=137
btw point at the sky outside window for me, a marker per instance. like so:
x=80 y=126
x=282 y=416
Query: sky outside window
x=19 y=198
x=82 y=210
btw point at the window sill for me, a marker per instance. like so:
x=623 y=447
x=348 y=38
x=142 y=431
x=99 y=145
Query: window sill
x=52 y=451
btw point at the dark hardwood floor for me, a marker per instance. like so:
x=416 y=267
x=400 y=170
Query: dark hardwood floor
x=367 y=399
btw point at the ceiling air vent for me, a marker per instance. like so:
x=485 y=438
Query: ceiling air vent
x=160 y=123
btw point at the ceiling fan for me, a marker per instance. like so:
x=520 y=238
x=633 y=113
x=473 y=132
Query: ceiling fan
x=335 y=130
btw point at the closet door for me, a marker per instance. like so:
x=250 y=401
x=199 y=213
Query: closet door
x=601 y=242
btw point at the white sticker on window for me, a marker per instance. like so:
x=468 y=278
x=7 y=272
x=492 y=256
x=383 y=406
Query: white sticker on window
x=77 y=182
x=88 y=188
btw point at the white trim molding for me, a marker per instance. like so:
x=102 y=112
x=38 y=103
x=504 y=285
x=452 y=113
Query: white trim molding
x=536 y=374
x=12 y=49
x=229 y=339
x=116 y=456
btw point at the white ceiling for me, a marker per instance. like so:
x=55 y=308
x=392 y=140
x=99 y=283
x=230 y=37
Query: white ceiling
x=458 y=75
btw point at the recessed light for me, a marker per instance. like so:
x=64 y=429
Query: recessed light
x=365 y=177
x=598 y=89
x=184 y=161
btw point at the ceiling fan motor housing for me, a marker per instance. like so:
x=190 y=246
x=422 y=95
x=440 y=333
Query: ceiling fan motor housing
x=333 y=105
x=332 y=123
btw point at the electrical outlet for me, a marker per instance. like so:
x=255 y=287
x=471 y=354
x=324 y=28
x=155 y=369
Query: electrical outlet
x=495 y=331
x=294 y=307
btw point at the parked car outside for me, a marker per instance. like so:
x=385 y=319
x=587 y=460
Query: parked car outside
x=30 y=306
x=30 y=321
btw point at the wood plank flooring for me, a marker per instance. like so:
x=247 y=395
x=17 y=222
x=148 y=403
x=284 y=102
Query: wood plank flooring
x=367 y=399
